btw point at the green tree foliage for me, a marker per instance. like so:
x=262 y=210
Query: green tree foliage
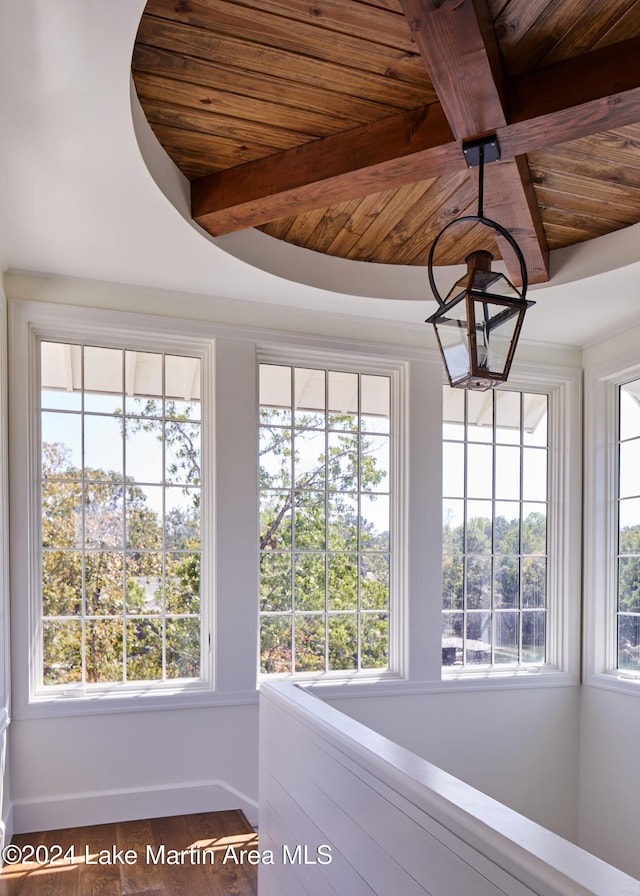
x=181 y=434
x=503 y=570
x=629 y=598
x=324 y=569
x=102 y=560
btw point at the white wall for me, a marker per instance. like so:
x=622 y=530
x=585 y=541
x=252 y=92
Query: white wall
x=90 y=769
x=518 y=746
x=609 y=704
x=610 y=777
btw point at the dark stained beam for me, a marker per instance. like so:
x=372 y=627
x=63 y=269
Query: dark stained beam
x=458 y=46
x=399 y=150
x=511 y=201
x=574 y=98
x=457 y=42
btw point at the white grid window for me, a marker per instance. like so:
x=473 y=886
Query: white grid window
x=325 y=445
x=495 y=503
x=120 y=516
x=628 y=530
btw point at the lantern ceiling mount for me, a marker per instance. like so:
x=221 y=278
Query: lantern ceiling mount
x=478 y=152
x=478 y=324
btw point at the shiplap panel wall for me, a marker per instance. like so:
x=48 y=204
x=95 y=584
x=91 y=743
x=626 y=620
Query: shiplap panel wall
x=391 y=822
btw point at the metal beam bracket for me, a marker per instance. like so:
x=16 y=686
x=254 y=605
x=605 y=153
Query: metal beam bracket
x=480 y=150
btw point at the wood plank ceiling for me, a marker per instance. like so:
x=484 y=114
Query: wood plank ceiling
x=337 y=124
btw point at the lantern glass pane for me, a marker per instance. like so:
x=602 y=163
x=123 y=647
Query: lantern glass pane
x=494 y=283
x=452 y=333
x=495 y=327
x=458 y=290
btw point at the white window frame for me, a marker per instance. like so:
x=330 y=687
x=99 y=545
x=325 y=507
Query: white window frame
x=602 y=384
x=30 y=325
x=354 y=362
x=563 y=388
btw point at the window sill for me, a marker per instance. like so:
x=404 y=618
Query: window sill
x=87 y=704
x=486 y=680
x=523 y=676
x=622 y=683
x=334 y=679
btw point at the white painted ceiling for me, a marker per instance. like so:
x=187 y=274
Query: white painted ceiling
x=77 y=199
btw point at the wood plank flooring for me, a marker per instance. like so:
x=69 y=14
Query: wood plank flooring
x=185 y=855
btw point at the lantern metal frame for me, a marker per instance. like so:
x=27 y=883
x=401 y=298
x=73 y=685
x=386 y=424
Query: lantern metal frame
x=477 y=152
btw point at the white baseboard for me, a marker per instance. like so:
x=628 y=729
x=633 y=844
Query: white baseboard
x=103 y=807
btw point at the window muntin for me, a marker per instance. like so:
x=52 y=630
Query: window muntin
x=325 y=445
x=120 y=516
x=628 y=530
x=495 y=511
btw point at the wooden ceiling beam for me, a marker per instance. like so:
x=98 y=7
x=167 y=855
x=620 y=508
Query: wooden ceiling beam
x=574 y=98
x=457 y=42
x=399 y=150
x=458 y=46
x=511 y=201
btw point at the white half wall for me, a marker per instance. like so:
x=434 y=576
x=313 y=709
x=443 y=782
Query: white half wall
x=364 y=816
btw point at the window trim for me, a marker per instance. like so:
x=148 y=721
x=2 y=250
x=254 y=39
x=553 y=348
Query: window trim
x=30 y=325
x=562 y=385
x=602 y=383
x=494 y=444
x=45 y=691
x=358 y=361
